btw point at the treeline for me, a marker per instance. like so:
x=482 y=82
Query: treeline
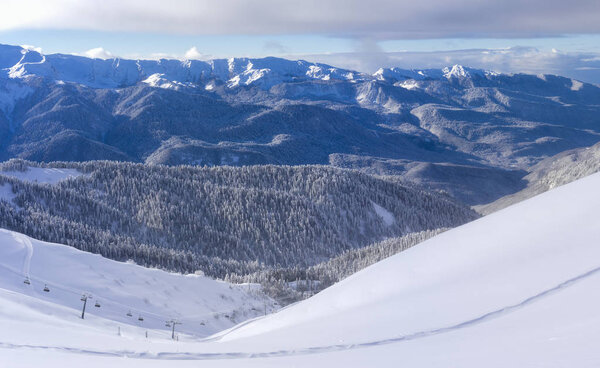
x=222 y=220
x=296 y=283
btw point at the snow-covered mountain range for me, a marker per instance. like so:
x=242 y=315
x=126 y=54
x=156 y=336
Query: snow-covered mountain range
x=434 y=127
x=19 y=62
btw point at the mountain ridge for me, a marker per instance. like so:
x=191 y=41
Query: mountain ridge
x=20 y=62
x=242 y=111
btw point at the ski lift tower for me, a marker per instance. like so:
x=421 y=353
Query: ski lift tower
x=84 y=299
x=172 y=324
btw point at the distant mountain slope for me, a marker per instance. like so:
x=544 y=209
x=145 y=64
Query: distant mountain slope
x=222 y=220
x=275 y=111
x=550 y=173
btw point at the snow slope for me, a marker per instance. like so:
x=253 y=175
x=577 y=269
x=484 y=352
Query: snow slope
x=461 y=275
x=202 y=304
x=42 y=175
x=35 y=174
x=518 y=288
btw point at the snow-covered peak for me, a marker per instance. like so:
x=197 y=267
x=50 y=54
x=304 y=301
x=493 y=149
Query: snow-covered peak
x=325 y=72
x=158 y=80
x=398 y=74
x=459 y=71
x=455 y=71
x=28 y=57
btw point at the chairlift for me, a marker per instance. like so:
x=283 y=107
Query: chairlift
x=27 y=281
x=168 y=324
x=141 y=319
x=97 y=305
x=83 y=298
x=46 y=288
x=129 y=314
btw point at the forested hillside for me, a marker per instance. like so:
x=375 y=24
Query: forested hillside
x=221 y=220
x=550 y=173
x=296 y=283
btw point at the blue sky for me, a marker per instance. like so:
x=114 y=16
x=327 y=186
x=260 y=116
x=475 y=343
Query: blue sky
x=536 y=36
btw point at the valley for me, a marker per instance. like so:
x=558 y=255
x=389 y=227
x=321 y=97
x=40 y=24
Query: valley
x=456 y=289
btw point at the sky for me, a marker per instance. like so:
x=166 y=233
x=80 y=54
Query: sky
x=534 y=36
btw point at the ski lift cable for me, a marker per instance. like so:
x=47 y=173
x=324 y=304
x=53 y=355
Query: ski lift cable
x=75 y=292
x=49 y=284
x=113 y=302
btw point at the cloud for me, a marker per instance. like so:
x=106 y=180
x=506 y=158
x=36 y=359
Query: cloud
x=275 y=46
x=376 y=19
x=98 y=53
x=581 y=66
x=32 y=48
x=194 y=54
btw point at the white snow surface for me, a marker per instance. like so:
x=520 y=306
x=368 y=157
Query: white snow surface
x=387 y=217
x=42 y=175
x=158 y=80
x=455 y=71
x=203 y=304
x=576 y=85
x=518 y=288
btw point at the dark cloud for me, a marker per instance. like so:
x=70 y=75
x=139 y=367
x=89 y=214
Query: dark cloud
x=374 y=19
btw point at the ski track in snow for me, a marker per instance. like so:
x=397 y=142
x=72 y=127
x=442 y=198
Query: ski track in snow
x=311 y=350
x=26 y=242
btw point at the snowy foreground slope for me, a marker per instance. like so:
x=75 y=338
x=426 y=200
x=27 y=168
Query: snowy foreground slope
x=518 y=288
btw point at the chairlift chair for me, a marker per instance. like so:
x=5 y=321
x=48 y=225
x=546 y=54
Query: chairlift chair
x=129 y=314
x=168 y=324
x=83 y=298
x=46 y=289
x=97 y=305
x=140 y=318
x=27 y=281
